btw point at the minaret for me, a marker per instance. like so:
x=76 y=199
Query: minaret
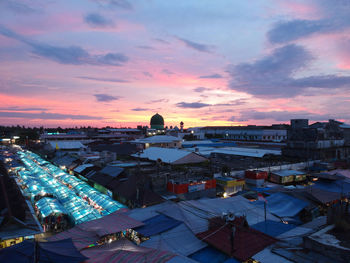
x=182 y=126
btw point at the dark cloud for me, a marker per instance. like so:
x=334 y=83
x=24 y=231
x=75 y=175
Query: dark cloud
x=140 y=109
x=17 y=7
x=212 y=76
x=193 y=105
x=74 y=55
x=162 y=41
x=272 y=76
x=158 y=101
x=200 y=89
x=237 y=102
x=196 y=46
x=21 y=109
x=147 y=74
x=123 y=4
x=106 y=97
x=291 y=30
x=97 y=20
x=46 y=116
x=146 y=47
x=104 y=79
x=335 y=18
x=115 y=59
x=282 y=116
x=167 y=72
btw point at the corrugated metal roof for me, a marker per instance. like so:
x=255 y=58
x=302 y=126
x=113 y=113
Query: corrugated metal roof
x=167 y=155
x=112 y=171
x=240 y=151
x=82 y=167
x=235 y=238
x=288 y=172
x=249 y=152
x=157 y=225
x=125 y=251
x=284 y=205
x=66 y=145
x=158 y=139
x=179 y=240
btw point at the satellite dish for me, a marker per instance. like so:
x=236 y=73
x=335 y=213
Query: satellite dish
x=230 y=217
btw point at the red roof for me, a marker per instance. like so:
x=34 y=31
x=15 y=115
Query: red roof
x=235 y=238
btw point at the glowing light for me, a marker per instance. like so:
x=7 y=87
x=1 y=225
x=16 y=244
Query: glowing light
x=225 y=195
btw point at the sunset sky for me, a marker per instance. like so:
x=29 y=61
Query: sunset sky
x=204 y=62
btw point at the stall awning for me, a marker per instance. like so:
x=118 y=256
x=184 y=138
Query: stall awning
x=110 y=224
x=283 y=205
x=53 y=252
x=48 y=206
x=179 y=240
x=80 y=238
x=124 y=251
x=156 y=225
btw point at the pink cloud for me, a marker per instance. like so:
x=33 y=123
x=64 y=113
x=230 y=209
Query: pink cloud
x=301 y=10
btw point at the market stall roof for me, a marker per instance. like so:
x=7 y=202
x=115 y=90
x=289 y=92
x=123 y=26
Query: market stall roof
x=50 y=252
x=82 y=167
x=210 y=254
x=273 y=228
x=342 y=187
x=68 y=189
x=235 y=238
x=66 y=145
x=288 y=172
x=156 y=225
x=143 y=214
x=110 y=224
x=284 y=205
x=323 y=196
x=170 y=155
x=80 y=238
x=90 y=232
x=48 y=206
x=124 y=251
x=195 y=213
x=179 y=240
x=329 y=176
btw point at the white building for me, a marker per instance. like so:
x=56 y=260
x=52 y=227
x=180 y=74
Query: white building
x=164 y=141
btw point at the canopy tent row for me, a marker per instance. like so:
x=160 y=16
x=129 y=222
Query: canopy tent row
x=81 y=202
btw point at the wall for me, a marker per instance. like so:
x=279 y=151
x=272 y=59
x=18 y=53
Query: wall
x=293 y=166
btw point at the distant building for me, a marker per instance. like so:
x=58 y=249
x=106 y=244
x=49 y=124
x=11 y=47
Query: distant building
x=321 y=140
x=164 y=141
x=170 y=156
x=106 y=135
x=274 y=133
x=70 y=146
x=287 y=176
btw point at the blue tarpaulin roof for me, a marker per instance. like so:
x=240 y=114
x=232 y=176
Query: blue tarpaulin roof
x=211 y=255
x=156 y=225
x=272 y=228
x=339 y=186
x=62 y=251
x=283 y=205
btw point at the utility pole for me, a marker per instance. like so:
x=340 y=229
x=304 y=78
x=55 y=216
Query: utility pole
x=36 y=251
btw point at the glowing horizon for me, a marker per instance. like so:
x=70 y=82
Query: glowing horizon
x=117 y=62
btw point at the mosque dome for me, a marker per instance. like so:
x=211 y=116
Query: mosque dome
x=157 y=122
